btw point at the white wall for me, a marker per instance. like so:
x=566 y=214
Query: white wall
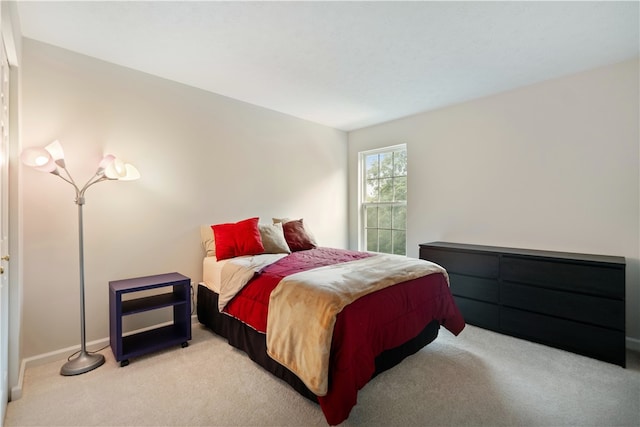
x=203 y=158
x=551 y=166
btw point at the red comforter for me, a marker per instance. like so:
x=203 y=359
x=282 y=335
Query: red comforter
x=376 y=322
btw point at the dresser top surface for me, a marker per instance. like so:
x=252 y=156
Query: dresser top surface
x=528 y=252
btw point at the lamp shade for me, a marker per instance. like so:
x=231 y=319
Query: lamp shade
x=131 y=173
x=56 y=150
x=38 y=158
x=115 y=168
x=105 y=163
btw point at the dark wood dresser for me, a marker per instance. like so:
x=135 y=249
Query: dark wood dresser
x=575 y=302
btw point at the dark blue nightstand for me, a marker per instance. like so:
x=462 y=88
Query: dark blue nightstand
x=158 y=338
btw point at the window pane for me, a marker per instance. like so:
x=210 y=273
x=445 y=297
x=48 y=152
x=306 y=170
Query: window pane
x=371 y=217
x=386 y=190
x=384 y=241
x=400 y=217
x=386 y=165
x=399 y=242
x=371 y=165
x=400 y=163
x=372 y=240
x=400 y=187
x=372 y=190
x=384 y=216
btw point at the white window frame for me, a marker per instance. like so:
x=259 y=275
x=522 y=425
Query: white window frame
x=362 y=189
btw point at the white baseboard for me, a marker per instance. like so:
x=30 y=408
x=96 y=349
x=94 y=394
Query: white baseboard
x=633 y=344
x=16 y=391
x=62 y=354
x=41 y=359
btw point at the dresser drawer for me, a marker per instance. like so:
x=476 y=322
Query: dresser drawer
x=463 y=262
x=584 y=308
x=474 y=287
x=479 y=313
x=575 y=277
x=592 y=341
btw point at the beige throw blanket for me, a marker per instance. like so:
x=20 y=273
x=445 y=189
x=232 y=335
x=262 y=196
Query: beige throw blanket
x=237 y=272
x=303 y=309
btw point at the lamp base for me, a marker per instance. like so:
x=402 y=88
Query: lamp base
x=85 y=362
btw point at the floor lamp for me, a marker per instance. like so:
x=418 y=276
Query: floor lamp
x=51 y=159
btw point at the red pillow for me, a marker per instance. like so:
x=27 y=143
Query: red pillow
x=236 y=239
x=296 y=236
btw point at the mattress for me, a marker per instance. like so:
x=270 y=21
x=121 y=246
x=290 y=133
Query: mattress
x=211 y=273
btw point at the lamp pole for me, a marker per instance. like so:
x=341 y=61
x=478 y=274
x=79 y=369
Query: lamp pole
x=85 y=361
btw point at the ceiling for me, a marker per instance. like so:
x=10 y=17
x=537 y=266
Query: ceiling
x=346 y=65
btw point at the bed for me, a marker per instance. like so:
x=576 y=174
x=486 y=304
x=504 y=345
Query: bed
x=324 y=320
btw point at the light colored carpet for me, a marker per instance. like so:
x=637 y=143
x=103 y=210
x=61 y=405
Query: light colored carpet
x=478 y=378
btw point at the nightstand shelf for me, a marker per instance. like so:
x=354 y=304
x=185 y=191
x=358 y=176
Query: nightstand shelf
x=157 y=338
x=153 y=302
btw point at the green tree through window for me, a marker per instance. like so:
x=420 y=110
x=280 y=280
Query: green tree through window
x=384 y=200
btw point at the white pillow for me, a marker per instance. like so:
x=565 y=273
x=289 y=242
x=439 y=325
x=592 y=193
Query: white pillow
x=208 y=240
x=273 y=239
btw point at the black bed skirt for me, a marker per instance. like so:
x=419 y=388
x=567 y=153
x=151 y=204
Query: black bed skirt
x=254 y=343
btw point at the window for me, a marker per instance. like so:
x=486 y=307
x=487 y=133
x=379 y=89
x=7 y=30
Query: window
x=383 y=201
